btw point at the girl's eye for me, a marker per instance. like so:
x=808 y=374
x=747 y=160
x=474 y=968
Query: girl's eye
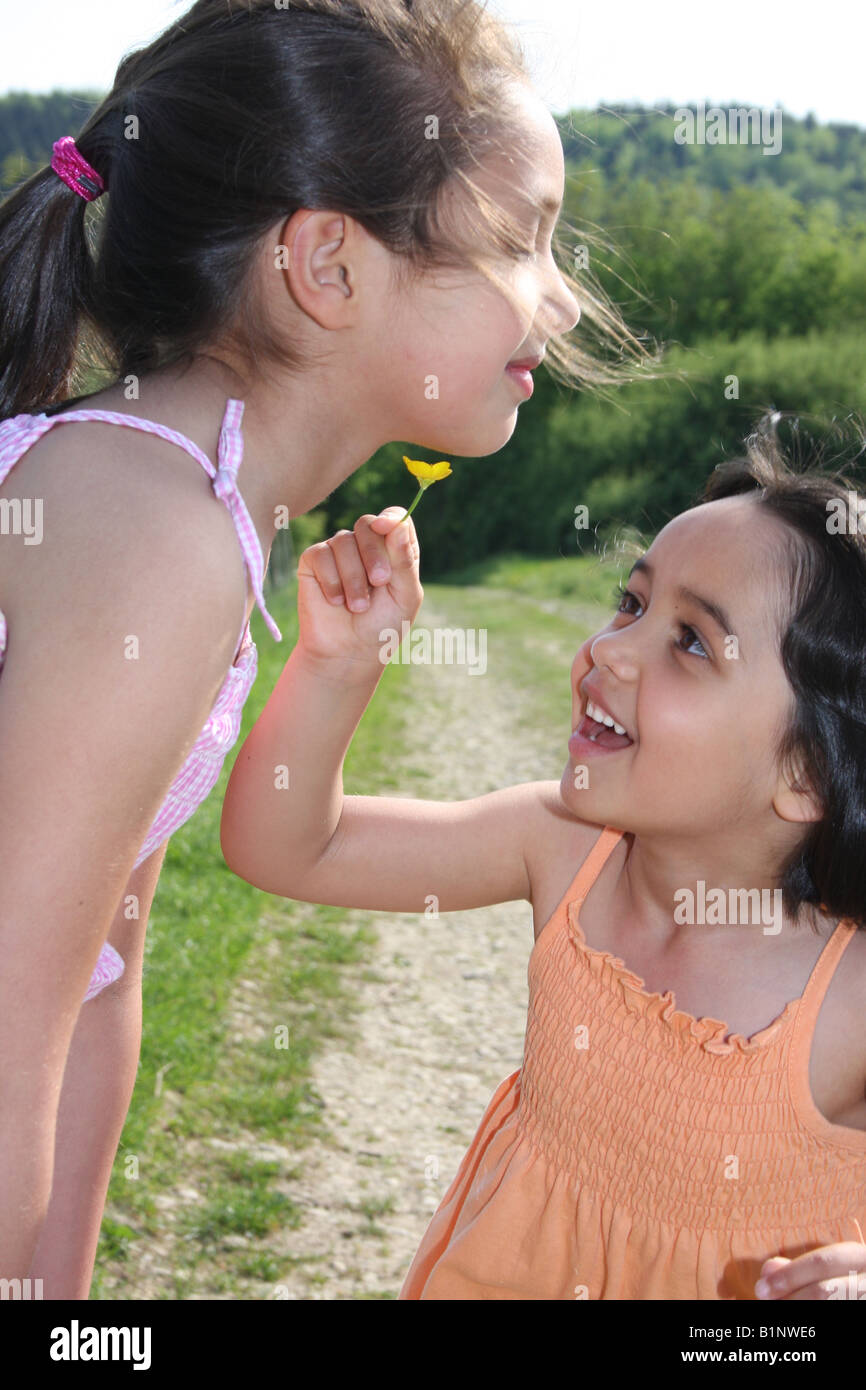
x=620 y=595
x=525 y=253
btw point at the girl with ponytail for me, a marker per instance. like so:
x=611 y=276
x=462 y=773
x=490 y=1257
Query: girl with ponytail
x=281 y=223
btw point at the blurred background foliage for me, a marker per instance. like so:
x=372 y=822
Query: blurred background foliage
x=736 y=263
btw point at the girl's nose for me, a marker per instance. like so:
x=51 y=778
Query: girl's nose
x=571 y=309
x=566 y=303
x=615 y=650
x=561 y=309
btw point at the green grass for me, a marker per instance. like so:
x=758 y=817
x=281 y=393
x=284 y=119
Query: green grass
x=226 y=966
x=531 y=642
x=208 y=930
x=587 y=578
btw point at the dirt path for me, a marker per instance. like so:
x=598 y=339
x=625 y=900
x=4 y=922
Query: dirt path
x=441 y=1023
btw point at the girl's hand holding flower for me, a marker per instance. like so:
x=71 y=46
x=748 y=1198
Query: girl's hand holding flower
x=358 y=583
x=355 y=584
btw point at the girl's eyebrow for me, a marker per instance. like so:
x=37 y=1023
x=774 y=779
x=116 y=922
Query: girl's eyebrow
x=547 y=204
x=713 y=610
x=551 y=206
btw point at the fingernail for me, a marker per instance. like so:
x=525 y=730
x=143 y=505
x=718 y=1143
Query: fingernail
x=359 y=604
x=379 y=572
x=762 y=1289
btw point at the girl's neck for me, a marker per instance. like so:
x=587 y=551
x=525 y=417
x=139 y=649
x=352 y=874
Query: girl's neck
x=295 y=451
x=661 y=884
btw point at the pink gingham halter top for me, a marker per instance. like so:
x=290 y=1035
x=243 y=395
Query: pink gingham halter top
x=202 y=768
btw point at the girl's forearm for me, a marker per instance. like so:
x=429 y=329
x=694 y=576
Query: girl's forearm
x=285 y=795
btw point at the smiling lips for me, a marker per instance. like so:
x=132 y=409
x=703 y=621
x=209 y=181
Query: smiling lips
x=522 y=376
x=520 y=370
x=599 y=729
x=590 y=737
x=596 y=705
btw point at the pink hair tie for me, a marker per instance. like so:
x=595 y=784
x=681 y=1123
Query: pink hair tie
x=73 y=168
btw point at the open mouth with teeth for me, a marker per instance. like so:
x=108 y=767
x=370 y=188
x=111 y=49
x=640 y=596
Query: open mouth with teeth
x=600 y=728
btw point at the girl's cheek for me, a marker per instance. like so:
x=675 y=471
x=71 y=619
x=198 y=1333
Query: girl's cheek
x=524 y=294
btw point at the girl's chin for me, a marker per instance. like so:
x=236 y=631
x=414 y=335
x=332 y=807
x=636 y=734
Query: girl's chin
x=477 y=442
x=574 y=797
x=491 y=440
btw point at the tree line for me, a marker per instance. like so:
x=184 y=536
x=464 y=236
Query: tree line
x=745 y=270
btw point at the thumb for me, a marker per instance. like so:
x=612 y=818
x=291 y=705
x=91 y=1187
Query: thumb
x=404 y=554
x=388 y=519
x=401 y=538
x=769 y=1265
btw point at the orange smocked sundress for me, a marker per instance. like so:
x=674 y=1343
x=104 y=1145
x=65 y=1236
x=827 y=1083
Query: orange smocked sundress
x=640 y=1153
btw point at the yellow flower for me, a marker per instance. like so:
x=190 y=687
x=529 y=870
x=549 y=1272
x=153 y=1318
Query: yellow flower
x=428 y=472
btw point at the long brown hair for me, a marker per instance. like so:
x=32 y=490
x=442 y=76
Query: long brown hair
x=233 y=118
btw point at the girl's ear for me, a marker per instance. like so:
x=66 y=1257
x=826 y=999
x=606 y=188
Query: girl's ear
x=319 y=267
x=795 y=798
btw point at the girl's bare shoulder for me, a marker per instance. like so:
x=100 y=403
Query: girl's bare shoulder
x=837 y=1063
x=122 y=510
x=845 y=997
x=89 y=466
x=557 y=843
x=123 y=495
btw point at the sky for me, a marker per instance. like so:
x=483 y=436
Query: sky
x=801 y=56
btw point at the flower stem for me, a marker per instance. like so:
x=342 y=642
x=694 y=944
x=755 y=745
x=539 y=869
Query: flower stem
x=421 y=489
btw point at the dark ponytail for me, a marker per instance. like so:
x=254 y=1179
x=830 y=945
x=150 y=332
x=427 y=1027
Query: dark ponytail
x=46 y=285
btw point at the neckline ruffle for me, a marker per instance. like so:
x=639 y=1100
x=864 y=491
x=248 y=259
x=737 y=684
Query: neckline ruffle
x=709 y=1033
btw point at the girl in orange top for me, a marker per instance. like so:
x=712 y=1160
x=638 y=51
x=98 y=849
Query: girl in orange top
x=689 y=1121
